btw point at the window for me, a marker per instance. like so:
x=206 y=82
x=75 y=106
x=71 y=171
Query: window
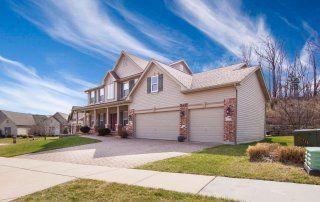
x=101 y=95
x=154 y=84
x=125 y=118
x=125 y=90
x=92 y=97
x=111 y=91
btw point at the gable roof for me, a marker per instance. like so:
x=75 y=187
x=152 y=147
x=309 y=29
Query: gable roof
x=61 y=117
x=216 y=78
x=141 y=63
x=20 y=119
x=184 y=62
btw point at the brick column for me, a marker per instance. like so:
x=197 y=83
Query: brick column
x=230 y=117
x=131 y=122
x=184 y=120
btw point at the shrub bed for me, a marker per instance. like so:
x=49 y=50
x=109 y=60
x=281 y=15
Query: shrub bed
x=103 y=131
x=85 y=129
x=266 y=152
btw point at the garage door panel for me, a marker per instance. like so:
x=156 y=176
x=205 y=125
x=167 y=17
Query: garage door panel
x=163 y=125
x=206 y=125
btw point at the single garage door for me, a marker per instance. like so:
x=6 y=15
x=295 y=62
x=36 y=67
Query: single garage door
x=22 y=131
x=206 y=125
x=162 y=125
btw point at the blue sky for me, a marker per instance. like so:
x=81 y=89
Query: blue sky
x=50 y=51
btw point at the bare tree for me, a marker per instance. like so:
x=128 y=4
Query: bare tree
x=246 y=54
x=272 y=54
x=312 y=51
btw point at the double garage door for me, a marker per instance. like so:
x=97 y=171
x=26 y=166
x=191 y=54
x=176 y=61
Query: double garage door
x=206 y=125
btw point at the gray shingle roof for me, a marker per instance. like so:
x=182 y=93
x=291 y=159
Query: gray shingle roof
x=212 y=78
x=139 y=61
x=221 y=76
x=61 y=117
x=20 y=119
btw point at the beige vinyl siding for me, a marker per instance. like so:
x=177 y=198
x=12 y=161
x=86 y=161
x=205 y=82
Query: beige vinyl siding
x=177 y=66
x=163 y=125
x=206 y=125
x=171 y=95
x=129 y=69
x=251 y=110
x=53 y=123
x=8 y=123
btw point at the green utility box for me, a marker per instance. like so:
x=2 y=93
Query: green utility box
x=307 y=138
x=312 y=161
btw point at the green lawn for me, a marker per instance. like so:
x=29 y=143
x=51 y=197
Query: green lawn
x=231 y=161
x=27 y=145
x=92 y=190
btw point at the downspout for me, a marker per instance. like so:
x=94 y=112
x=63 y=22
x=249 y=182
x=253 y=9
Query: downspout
x=236 y=130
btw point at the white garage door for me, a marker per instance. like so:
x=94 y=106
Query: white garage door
x=22 y=131
x=206 y=125
x=162 y=125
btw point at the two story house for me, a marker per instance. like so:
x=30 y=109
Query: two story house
x=164 y=101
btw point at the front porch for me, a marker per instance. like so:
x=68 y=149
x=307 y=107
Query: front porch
x=112 y=117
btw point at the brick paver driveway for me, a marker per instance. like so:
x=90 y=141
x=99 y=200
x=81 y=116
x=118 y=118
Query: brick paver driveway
x=117 y=152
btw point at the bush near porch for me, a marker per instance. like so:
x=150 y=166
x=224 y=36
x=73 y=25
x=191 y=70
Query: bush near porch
x=232 y=161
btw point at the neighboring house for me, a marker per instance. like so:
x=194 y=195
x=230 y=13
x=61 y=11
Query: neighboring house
x=76 y=120
x=162 y=101
x=14 y=123
x=56 y=124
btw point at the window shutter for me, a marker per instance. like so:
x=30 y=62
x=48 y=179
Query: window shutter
x=160 y=80
x=149 y=85
x=131 y=84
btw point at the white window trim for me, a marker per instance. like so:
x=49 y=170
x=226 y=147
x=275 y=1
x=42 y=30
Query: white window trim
x=154 y=91
x=101 y=90
x=112 y=91
x=124 y=118
x=125 y=83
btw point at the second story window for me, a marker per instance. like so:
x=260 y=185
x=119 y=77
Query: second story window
x=92 y=97
x=125 y=89
x=111 y=91
x=101 y=94
x=154 y=83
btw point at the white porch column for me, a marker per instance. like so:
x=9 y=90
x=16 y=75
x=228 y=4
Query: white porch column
x=85 y=118
x=118 y=120
x=107 y=124
x=77 y=117
x=118 y=115
x=94 y=117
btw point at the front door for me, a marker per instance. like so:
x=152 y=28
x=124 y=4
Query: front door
x=113 y=120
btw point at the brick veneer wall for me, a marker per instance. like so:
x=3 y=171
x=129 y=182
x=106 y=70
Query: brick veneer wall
x=230 y=117
x=184 y=120
x=131 y=122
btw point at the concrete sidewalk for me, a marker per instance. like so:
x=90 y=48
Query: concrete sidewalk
x=19 y=177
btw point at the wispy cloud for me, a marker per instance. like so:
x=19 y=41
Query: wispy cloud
x=286 y=21
x=84 y=24
x=160 y=35
x=223 y=22
x=22 y=89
